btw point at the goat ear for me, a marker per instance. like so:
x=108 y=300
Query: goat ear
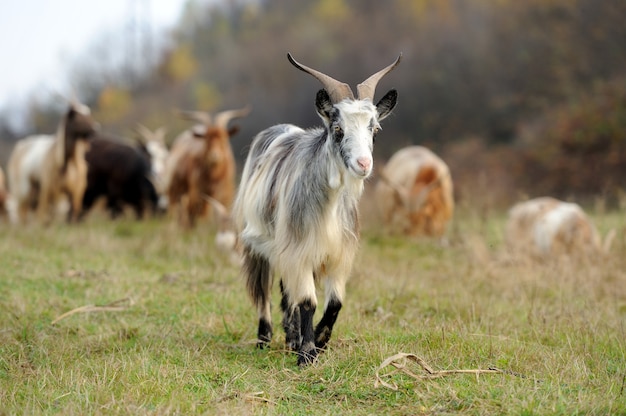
x=198 y=131
x=323 y=104
x=233 y=130
x=386 y=104
x=71 y=113
x=142 y=148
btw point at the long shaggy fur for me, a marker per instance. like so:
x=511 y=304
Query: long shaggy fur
x=293 y=217
x=297 y=211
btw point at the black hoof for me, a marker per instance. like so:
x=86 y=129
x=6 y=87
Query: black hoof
x=262 y=344
x=307 y=355
x=264 y=335
x=293 y=343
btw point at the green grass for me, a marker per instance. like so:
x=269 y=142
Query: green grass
x=184 y=343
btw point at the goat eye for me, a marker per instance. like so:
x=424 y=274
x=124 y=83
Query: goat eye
x=375 y=131
x=338 y=133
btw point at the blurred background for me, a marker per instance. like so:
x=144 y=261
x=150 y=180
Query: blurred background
x=519 y=98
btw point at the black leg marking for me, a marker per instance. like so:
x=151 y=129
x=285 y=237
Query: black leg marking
x=291 y=322
x=258 y=277
x=259 y=283
x=325 y=327
x=264 y=335
x=307 y=352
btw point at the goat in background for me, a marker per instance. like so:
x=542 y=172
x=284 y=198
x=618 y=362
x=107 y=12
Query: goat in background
x=120 y=173
x=548 y=228
x=42 y=168
x=154 y=146
x=201 y=163
x=415 y=192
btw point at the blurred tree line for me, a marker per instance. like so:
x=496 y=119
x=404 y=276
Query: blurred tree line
x=517 y=95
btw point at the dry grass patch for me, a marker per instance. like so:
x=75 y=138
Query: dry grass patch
x=183 y=342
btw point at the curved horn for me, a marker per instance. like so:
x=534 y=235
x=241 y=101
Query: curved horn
x=147 y=135
x=336 y=90
x=367 y=88
x=222 y=118
x=144 y=133
x=73 y=102
x=199 y=116
x=159 y=135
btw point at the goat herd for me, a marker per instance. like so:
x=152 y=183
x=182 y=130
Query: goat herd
x=296 y=207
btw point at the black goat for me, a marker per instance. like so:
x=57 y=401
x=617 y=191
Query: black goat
x=120 y=173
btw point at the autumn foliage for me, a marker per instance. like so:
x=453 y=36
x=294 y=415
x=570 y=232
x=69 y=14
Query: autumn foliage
x=535 y=89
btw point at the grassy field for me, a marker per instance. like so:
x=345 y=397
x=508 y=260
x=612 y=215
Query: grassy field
x=175 y=332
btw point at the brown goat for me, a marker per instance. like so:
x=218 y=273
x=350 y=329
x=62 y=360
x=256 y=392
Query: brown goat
x=43 y=167
x=415 y=190
x=200 y=164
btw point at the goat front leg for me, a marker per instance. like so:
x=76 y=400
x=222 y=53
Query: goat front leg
x=77 y=202
x=324 y=328
x=299 y=301
x=76 y=205
x=75 y=184
x=335 y=289
x=307 y=352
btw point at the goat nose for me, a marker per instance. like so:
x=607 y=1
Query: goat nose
x=364 y=163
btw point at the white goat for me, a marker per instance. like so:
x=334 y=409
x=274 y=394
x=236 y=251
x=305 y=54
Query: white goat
x=546 y=227
x=155 y=146
x=43 y=167
x=415 y=191
x=296 y=208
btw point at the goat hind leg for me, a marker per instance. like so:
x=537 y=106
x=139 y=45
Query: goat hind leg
x=264 y=333
x=259 y=284
x=299 y=288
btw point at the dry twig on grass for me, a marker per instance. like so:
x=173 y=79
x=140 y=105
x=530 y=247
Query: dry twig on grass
x=115 y=306
x=399 y=361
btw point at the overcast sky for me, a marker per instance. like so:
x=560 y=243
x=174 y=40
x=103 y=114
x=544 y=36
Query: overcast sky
x=40 y=38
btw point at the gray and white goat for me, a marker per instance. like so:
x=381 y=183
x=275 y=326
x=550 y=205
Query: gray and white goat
x=296 y=208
